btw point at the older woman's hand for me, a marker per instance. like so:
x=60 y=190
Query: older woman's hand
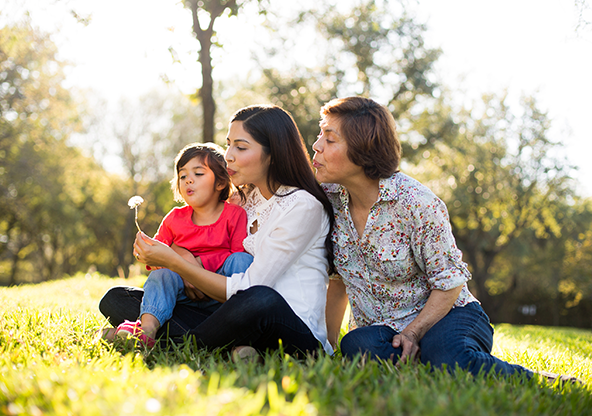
x=409 y=343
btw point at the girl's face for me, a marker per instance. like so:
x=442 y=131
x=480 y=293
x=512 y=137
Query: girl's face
x=331 y=163
x=247 y=162
x=197 y=184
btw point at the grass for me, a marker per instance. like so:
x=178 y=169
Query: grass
x=52 y=364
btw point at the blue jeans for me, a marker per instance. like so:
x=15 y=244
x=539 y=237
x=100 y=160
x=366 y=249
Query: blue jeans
x=464 y=337
x=258 y=316
x=164 y=288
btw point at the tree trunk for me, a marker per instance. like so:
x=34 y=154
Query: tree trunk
x=206 y=92
x=13 y=268
x=480 y=262
x=126 y=245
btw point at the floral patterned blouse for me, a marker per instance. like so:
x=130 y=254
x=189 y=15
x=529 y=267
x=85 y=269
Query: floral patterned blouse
x=407 y=251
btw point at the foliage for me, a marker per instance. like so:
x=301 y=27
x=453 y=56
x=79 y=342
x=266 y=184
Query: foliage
x=145 y=136
x=43 y=181
x=374 y=48
x=51 y=363
x=60 y=212
x=504 y=186
x=550 y=272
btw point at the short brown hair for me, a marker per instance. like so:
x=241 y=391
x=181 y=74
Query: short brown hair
x=370 y=132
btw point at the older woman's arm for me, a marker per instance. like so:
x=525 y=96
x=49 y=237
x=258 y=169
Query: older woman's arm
x=335 y=309
x=438 y=305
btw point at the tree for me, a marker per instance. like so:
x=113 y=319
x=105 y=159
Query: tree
x=372 y=49
x=143 y=136
x=584 y=12
x=36 y=116
x=57 y=207
x=499 y=175
x=204 y=14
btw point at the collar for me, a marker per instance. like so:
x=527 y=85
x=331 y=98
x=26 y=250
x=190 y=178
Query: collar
x=389 y=189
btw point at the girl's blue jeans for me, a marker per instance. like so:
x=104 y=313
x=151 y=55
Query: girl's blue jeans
x=164 y=289
x=464 y=337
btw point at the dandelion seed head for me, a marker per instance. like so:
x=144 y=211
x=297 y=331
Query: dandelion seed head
x=135 y=201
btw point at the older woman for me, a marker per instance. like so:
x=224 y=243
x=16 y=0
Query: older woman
x=395 y=251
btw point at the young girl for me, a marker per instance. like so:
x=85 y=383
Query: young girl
x=207 y=231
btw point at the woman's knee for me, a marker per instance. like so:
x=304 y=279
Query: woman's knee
x=373 y=340
x=254 y=304
x=120 y=303
x=351 y=345
x=109 y=299
x=261 y=298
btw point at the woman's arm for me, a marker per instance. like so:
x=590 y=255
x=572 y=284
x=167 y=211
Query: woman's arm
x=437 y=307
x=283 y=242
x=191 y=291
x=335 y=309
x=153 y=252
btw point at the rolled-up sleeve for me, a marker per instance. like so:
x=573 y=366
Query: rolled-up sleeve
x=435 y=249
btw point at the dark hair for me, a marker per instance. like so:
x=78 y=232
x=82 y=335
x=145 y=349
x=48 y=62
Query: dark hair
x=276 y=131
x=212 y=156
x=370 y=132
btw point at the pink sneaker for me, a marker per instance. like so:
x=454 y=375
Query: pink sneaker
x=129 y=329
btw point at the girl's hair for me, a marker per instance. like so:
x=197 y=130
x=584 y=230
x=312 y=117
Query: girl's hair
x=370 y=132
x=212 y=156
x=275 y=130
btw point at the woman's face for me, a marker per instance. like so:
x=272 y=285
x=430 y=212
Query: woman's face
x=247 y=162
x=331 y=163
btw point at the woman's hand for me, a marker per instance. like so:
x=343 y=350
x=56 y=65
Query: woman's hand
x=438 y=305
x=152 y=252
x=409 y=343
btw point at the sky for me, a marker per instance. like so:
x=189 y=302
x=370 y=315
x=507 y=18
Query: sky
x=525 y=46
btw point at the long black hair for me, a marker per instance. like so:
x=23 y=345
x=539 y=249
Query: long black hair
x=276 y=131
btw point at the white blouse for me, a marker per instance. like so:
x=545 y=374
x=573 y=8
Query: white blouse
x=289 y=254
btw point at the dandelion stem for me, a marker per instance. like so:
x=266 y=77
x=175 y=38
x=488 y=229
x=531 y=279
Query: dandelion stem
x=136 y=219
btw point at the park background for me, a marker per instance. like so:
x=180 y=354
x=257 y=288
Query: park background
x=96 y=98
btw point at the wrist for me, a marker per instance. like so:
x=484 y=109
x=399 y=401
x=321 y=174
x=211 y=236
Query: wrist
x=411 y=334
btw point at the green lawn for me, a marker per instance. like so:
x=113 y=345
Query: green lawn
x=51 y=364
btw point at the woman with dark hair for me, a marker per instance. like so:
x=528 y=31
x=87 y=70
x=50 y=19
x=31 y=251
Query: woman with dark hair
x=282 y=295
x=394 y=249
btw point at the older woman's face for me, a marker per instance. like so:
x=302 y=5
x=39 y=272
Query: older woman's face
x=331 y=163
